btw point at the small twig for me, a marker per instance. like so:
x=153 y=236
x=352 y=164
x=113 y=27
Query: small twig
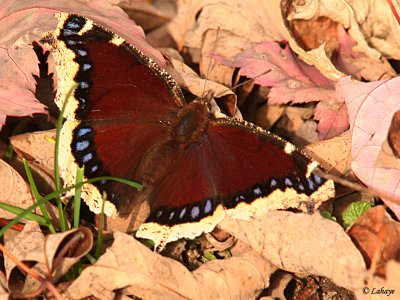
x=356 y=186
x=45 y=283
x=17 y=227
x=46 y=259
x=396 y=15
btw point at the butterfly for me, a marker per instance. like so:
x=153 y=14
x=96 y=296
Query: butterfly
x=128 y=118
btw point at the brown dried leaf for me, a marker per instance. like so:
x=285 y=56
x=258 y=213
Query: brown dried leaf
x=190 y=80
x=4 y=295
x=127 y=263
x=13 y=190
x=196 y=25
x=333 y=154
x=37 y=148
x=57 y=252
x=30 y=240
x=279 y=284
x=133 y=269
x=150 y=15
x=303 y=243
x=268 y=115
x=339 y=11
x=377 y=237
x=242 y=277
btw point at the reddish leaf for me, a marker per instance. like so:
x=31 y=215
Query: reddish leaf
x=333 y=118
x=376 y=233
x=371 y=107
x=292 y=80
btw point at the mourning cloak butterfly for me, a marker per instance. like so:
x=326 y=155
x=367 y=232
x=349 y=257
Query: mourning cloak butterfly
x=128 y=118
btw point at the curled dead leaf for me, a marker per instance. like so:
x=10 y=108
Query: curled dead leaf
x=52 y=255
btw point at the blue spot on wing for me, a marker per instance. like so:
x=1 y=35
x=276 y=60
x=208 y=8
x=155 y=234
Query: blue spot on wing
x=84 y=131
x=80 y=146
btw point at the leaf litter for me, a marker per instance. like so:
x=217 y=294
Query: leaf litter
x=367 y=255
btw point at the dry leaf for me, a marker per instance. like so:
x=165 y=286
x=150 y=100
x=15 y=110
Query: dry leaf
x=359 y=65
x=378 y=24
x=4 y=295
x=37 y=148
x=149 y=15
x=394 y=134
x=334 y=154
x=375 y=233
x=134 y=270
x=339 y=11
x=268 y=115
x=188 y=79
x=279 y=284
x=13 y=190
x=154 y=18
x=303 y=243
x=54 y=254
x=196 y=24
x=242 y=277
x=127 y=263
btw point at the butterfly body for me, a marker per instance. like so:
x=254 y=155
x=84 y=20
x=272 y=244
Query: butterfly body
x=128 y=118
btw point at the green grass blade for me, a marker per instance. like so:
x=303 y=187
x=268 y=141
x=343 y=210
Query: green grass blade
x=62 y=191
x=77 y=197
x=38 y=197
x=29 y=215
x=90 y=258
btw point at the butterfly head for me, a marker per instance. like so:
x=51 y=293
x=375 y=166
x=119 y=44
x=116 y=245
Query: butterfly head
x=191 y=123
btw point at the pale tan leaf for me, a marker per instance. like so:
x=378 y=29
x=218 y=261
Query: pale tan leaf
x=29 y=241
x=36 y=147
x=378 y=25
x=333 y=154
x=127 y=263
x=4 y=295
x=133 y=269
x=13 y=190
x=196 y=25
x=303 y=243
x=242 y=277
x=200 y=87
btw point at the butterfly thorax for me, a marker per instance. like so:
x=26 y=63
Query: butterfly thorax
x=190 y=125
x=188 y=128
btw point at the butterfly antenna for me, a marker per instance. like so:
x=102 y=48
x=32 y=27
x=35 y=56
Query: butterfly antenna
x=247 y=81
x=209 y=63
